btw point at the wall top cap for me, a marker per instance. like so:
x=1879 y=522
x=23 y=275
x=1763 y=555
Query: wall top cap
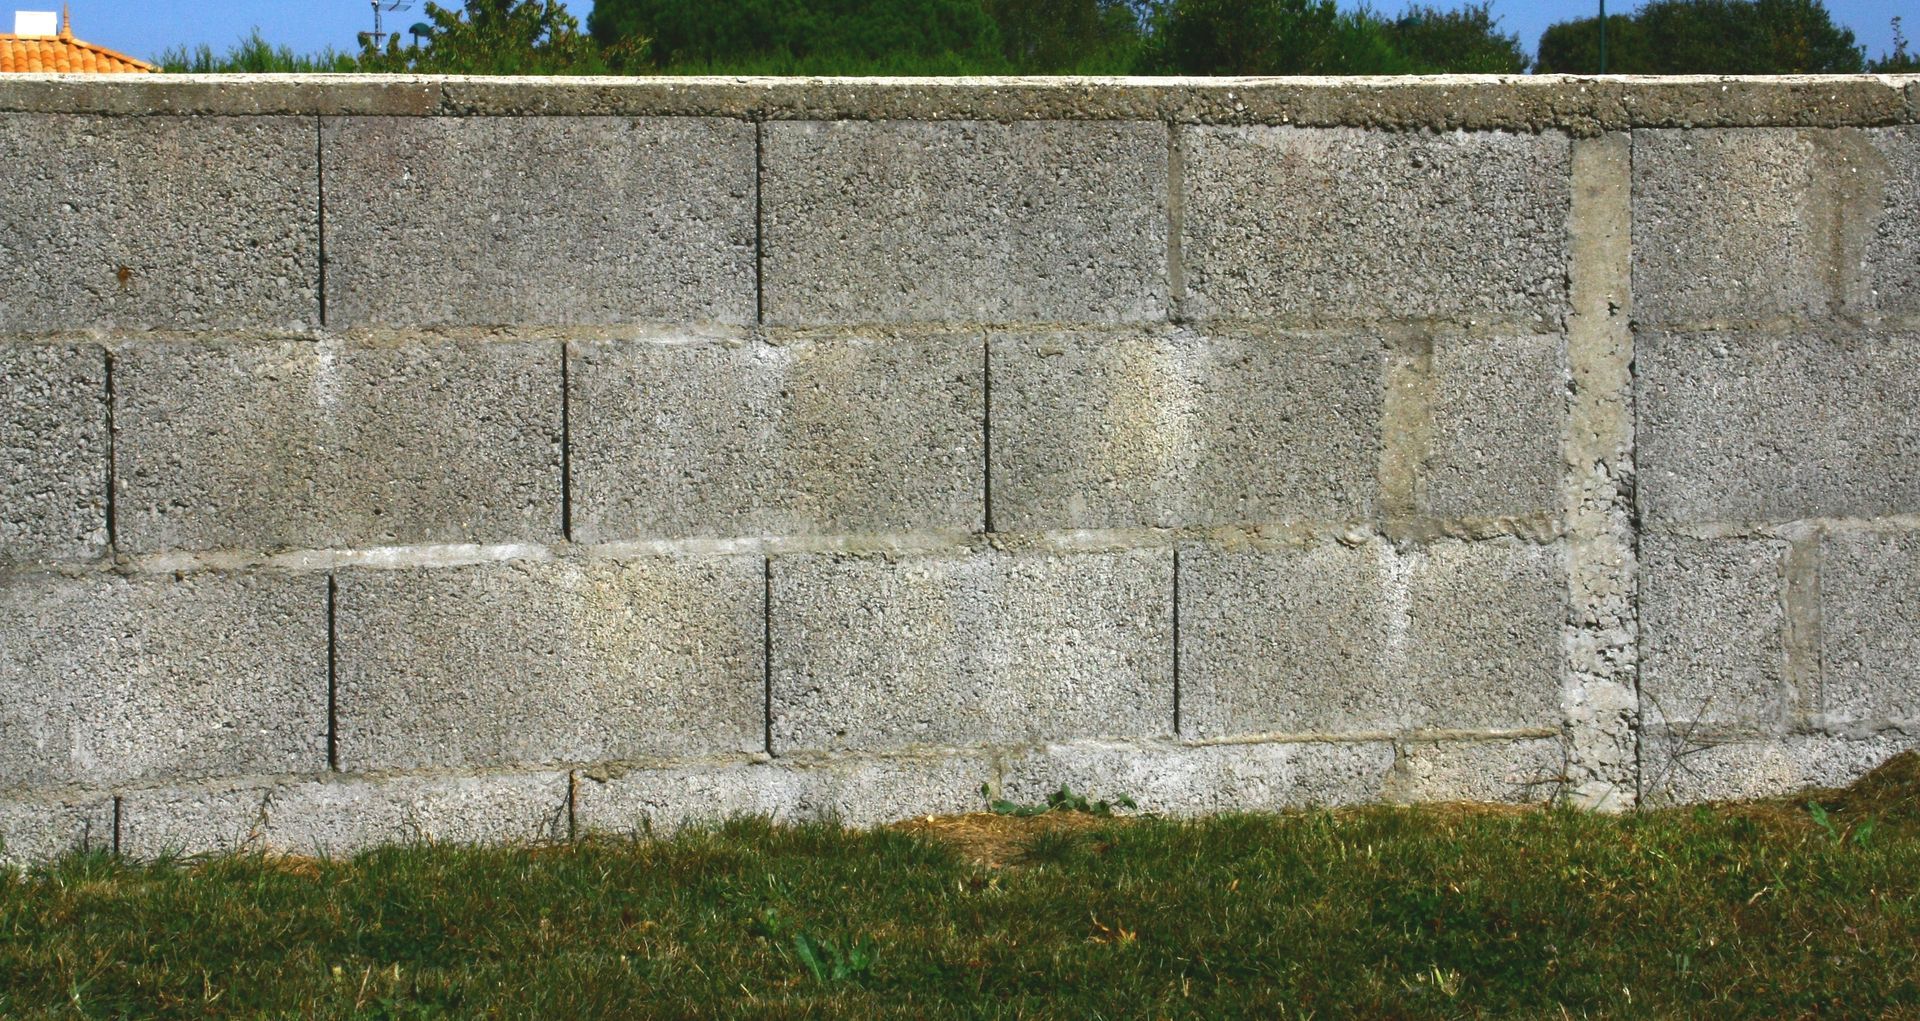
x=1580 y=105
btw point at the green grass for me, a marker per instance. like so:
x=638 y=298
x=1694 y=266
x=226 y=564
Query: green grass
x=1766 y=910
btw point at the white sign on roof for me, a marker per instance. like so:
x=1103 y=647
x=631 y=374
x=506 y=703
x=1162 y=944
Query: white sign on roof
x=36 y=23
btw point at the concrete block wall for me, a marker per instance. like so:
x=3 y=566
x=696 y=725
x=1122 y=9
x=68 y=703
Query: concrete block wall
x=473 y=459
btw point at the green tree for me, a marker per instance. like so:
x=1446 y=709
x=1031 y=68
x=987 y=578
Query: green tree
x=805 y=36
x=1280 y=37
x=1707 y=37
x=1069 y=36
x=1900 y=60
x=494 y=37
x=1463 y=41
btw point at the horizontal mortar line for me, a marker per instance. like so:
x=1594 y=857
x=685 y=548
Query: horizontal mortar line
x=1448 y=734
x=1796 y=324
x=1795 y=530
x=1736 y=732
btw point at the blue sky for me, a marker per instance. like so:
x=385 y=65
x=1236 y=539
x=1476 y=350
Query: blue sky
x=145 y=27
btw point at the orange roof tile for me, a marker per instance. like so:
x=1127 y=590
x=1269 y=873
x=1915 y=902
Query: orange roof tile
x=63 y=53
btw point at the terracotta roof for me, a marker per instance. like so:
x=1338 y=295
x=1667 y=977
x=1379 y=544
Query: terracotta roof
x=63 y=53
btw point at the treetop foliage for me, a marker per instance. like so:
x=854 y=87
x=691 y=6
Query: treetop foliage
x=1707 y=37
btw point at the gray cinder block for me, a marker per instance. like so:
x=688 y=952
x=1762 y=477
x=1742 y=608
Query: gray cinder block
x=1746 y=427
x=830 y=436
x=340 y=816
x=1515 y=771
x=1335 y=639
x=1870 y=628
x=1341 y=224
x=39 y=830
x=179 y=223
x=106 y=679
x=1171 y=428
x=53 y=452
x=1185 y=780
x=193 y=820
x=1757 y=223
x=965 y=221
x=326 y=444
x=1714 y=632
x=985 y=648
x=539 y=220
x=1499 y=407
x=1678 y=768
x=532 y=663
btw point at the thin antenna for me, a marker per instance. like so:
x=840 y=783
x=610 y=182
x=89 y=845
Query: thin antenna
x=378 y=37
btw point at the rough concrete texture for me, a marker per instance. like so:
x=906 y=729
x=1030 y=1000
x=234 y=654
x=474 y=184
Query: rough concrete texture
x=531 y=663
x=1334 y=639
x=38 y=830
x=830 y=436
x=1580 y=104
x=339 y=816
x=1351 y=224
x=1727 y=431
x=1528 y=770
x=1713 y=613
x=539 y=220
x=1498 y=406
x=1680 y=768
x=180 y=822
x=1171 y=428
x=53 y=452
x=1176 y=779
x=105 y=679
x=158 y=222
x=329 y=444
x=873 y=653
x=1870 y=629
x=964 y=222
x=1760 y=223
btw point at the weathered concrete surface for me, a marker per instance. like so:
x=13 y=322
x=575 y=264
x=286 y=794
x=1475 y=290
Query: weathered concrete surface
x=833 y=436
x=1347 y=224
x=38 y=830
x=871 y=653
x=1498 y=405
x=53 y=452
x=479 y=221
x=1716 y=633
x=857 y=791
x=1355 y=640
x=105 y=679
x=1682 y=768
x=1171 y=428
x=1759 y=223
x=326 y=444
x=337 y=816
x=1517 y=771
x=1870 y=629
x=1728 y=432
x=907 y=221
x=176 y=223
x=529 y=663
x=1192 y=780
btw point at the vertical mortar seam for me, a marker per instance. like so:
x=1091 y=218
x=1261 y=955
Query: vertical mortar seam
x=117 y=815
x=766 y=651
x=986 y=430
x=573 y=799
x=1635 y=529
x=1176 y=641
x=113 y=507
x=333 y=673
x=759 y=222
x=1176 y=225
x=566 y=442
x=320 y=212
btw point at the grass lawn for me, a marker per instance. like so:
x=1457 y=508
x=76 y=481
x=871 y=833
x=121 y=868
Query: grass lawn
x=1769 y=909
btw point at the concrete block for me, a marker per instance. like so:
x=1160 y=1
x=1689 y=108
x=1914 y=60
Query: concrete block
x=1758 y=223
x=1521 y=771
x=1727 y=433
x=53 y=452
x=531 y=663
x=1713 y=630
x=964 y=221
x=1679 y=769
x=538 y=220
x=41 y=830
x=329 y=445
x=185 y=822
x=1320 y=224
x=107 y=679
x=342 y=816
x=1870 y=628
x=1170 y=429
x=986 y=648
x=1365 y=640
x=180 y=223
x=833 y=436
x=1499 y=407
x=1185 y=780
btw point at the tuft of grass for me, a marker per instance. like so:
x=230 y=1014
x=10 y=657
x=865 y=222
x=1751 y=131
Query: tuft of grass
x=1749 y=910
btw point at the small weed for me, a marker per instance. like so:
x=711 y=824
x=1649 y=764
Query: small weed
x=822 y=958
x=1062 y=800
